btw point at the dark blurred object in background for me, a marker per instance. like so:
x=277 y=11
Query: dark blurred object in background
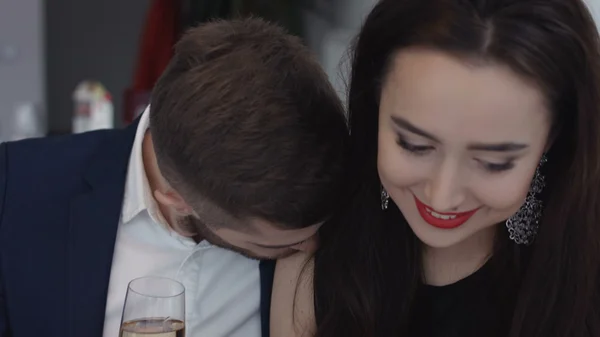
x=284 y=12
x=167 y=19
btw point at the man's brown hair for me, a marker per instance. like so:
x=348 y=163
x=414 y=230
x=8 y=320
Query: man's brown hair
x=245 y=119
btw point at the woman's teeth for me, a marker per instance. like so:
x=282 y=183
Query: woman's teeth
x=440 y=216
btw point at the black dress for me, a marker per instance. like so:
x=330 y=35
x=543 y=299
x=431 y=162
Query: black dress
x=466 y=308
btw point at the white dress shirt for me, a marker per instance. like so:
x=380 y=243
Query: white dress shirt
x=222 y=288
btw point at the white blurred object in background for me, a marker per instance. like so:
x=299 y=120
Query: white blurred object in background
x=27 y=122
x=93 y=107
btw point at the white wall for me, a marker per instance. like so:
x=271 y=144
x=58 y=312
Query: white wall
x=594 y=6
x=330 y=29
x=21 y=60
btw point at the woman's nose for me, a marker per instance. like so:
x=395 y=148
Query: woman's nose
x=444 y=190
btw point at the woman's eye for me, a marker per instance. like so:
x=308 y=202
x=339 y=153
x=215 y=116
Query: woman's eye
x=495 y=167
x=412 y=148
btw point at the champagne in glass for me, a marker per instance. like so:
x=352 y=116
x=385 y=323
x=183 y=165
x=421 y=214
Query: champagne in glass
x=154 y=307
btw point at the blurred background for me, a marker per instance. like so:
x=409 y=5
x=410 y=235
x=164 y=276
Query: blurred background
x=62 y=62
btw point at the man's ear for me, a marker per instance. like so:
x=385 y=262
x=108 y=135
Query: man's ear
x=174 y=200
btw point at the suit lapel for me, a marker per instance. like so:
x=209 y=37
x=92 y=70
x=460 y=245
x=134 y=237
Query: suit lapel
x=94 y=220
x=267 y=270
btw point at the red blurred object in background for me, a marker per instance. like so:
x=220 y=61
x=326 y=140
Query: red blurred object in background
x=159 y=35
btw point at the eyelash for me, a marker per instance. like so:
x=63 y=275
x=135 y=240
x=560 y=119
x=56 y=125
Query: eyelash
x=496 y=168
x=421 y=150
x=418 y=150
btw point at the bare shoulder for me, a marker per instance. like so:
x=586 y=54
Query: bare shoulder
x=292 y=305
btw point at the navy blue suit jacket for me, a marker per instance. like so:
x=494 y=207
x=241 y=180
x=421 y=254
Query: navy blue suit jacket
x=60 y=203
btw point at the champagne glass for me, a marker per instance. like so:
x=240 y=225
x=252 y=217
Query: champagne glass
x=154 y=306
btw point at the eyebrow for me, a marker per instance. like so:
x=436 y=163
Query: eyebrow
x=499 y=147
x=406 y=125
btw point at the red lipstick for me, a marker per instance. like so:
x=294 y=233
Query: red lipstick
x=442 y=220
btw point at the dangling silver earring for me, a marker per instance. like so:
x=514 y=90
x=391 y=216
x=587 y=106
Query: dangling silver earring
x=523 y=225
x=385 y=199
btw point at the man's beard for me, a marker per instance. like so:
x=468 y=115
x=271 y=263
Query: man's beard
x=203 y=232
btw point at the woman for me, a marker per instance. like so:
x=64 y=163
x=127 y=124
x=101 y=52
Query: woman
x=474 y=188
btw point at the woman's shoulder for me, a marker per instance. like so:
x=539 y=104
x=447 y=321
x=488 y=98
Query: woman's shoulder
x=292 y=304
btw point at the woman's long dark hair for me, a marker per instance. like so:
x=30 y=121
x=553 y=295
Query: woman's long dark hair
x=369 y=265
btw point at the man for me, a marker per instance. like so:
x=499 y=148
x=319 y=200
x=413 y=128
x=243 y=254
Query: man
x=241 y=151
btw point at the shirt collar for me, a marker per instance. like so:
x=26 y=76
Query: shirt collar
x=138 y=196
